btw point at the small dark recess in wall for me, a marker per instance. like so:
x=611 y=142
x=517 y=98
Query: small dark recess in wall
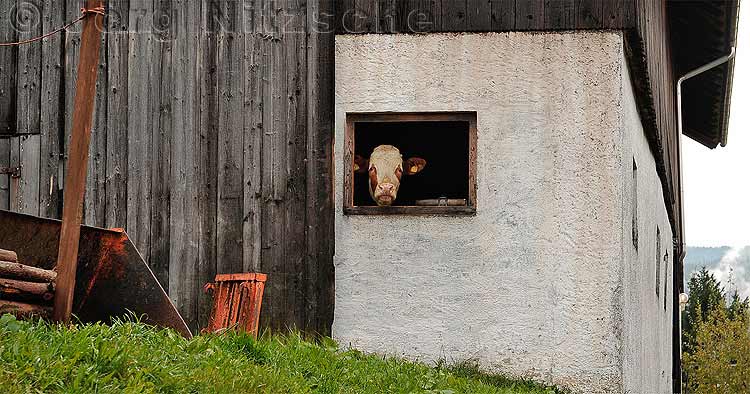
x=635 y=205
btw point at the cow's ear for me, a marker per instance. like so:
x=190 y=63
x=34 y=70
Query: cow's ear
x=361 y=165
x=414 y=165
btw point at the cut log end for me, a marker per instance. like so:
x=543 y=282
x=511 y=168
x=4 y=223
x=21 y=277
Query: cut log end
x=8 y=255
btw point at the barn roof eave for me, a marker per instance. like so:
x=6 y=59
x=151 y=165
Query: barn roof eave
x=701 y=31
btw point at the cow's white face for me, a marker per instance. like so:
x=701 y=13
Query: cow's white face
x=385 y=168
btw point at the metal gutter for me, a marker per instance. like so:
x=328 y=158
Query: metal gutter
x=691 y=74
x=694 y=73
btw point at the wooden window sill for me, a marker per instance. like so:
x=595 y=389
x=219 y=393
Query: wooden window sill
x=411 y=210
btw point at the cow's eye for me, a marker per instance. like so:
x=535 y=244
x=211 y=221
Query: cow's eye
x=399 y=173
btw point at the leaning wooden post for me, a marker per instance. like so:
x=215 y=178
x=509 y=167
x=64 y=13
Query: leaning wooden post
x=75 y=178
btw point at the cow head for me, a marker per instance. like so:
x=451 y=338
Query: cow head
x=385 y=168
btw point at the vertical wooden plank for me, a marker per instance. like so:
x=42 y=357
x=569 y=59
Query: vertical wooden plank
x=402 y=14
x=185 y=222
x=365 y=16
x=344 y=20
x=589 y=14
x=24 y=153
x=16 y=196
x=208 y=105
x=116 y=183
x=454 y=15
x=479 y=15
x=319 y=210
x=29 y=25
x=71 y=49
x=184 y=183
x=296 y=158
x=559 y=14
x=503 y=15
x=95 y=199
x=5 y=179
x=274 y=174
x=415 y=16
x=161 y=138
x=429 y=15
x=252 y=140
x=386 y=16
x=8 y=69
x=140 y=121
x=277 y=171
x=614 y=13
x=50 y=125
x=230 y=154
x=629 y=13
x=529 y=14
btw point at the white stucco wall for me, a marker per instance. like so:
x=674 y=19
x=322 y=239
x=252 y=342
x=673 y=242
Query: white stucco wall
x=647 y=336
x=533 y=284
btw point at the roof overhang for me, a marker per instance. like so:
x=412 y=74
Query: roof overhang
x=700 y=32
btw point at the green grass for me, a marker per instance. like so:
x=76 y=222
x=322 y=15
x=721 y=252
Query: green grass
x=129 y=357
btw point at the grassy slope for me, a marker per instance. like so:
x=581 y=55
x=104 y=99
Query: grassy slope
x=132 y=358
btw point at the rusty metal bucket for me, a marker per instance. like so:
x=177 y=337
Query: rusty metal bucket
x=237 y=302
x=112 y=279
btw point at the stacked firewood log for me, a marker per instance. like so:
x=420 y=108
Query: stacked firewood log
x=25 y=291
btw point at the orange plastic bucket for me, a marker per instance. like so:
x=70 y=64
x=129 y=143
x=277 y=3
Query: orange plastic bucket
x=237 y=302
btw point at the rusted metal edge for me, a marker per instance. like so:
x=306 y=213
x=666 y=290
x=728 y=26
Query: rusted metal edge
x=14 y=172
x=241 y=277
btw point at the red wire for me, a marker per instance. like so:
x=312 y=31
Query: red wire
x=84 y=12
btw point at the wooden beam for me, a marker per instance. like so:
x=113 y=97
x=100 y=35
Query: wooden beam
x=75 y=179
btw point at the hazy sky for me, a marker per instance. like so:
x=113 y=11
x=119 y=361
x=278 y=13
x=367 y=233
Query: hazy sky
x=717 y=182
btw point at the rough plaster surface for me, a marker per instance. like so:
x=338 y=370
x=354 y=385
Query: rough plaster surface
x=647 y=336
x=533 y=285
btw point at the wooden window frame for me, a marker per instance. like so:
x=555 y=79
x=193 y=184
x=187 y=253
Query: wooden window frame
x=349 y=144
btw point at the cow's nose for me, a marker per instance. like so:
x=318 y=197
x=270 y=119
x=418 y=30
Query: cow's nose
x=386 y=187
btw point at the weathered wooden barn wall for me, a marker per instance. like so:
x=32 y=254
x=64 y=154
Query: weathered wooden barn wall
x=409 y=16
x=644 y=21
x=651 y=57
x=211 y=143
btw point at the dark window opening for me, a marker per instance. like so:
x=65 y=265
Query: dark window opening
x=666 y=276
x=445 y=141
x=443 y=145
x=658 y=260
x=634 y=191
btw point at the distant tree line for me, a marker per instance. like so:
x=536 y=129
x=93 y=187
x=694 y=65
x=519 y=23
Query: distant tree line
x=716 y=338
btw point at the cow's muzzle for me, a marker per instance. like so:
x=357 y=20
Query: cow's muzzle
x=385 y=194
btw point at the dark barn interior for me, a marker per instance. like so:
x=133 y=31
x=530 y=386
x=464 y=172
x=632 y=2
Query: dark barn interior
x=444 y=145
